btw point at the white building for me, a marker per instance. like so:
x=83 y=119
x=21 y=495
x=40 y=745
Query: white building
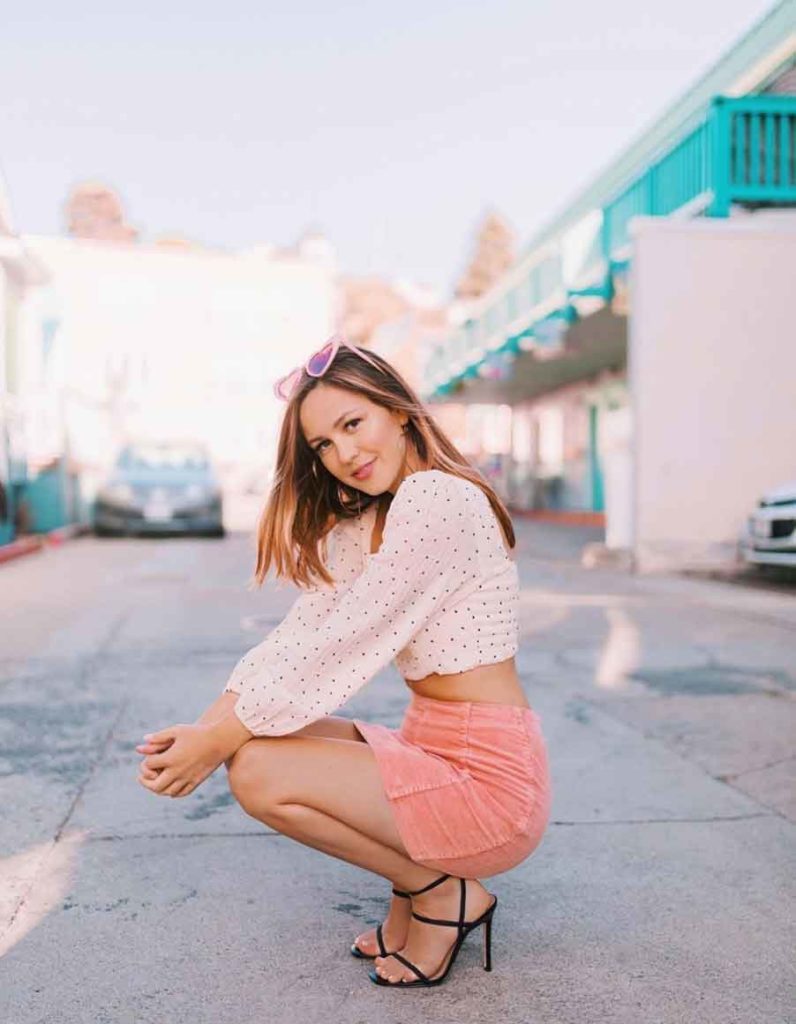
x=174 y=341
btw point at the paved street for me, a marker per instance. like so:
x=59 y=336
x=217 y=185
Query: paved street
x=663 y=891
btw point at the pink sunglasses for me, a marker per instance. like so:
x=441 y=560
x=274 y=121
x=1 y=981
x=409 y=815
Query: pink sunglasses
x=317 y=365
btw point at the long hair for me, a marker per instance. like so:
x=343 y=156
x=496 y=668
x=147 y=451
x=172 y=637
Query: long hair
x=306 y=500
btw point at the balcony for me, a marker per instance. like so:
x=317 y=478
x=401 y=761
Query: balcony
x=742 y=152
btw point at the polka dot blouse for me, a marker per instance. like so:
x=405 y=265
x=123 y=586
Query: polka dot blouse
x=440 y=595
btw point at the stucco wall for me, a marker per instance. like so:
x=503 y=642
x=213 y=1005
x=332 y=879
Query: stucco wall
x=712 y=364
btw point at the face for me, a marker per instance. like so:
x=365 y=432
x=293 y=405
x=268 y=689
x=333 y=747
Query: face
x=347 y=431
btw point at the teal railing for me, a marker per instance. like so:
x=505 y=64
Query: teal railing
x=743 y=151
x=755 y=140
x=678 y=178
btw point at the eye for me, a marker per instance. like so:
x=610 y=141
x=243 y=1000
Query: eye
x=319 y=447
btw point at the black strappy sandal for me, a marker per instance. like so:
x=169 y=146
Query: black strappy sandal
x=361 y=954
x=357 y=952
x=463 y=927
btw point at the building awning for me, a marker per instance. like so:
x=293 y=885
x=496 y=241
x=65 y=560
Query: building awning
x=591 y=345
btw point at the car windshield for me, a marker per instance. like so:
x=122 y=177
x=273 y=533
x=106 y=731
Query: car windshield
x=165 y=457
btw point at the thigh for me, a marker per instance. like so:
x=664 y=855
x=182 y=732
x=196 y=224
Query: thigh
x=339 y=777
x=332 y=726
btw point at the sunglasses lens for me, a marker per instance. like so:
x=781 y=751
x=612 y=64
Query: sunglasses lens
x=320 y=361
x=284 y=387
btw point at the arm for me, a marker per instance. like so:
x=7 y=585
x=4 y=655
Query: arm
x=306 y=613
x=217 y=710
x=427 y=552
x=217 y=730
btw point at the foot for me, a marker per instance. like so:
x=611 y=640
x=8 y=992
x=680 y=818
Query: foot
x=393 y=930
x=428 y=945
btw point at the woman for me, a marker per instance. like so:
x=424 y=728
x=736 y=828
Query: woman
x=419 y=571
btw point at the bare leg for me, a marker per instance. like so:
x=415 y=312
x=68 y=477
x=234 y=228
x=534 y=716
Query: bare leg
x=334 y=727
x=328 y=794
x=395 y=925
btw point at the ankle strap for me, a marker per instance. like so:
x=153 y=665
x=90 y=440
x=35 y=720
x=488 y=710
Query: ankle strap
x=430 y=886
x=461 y=924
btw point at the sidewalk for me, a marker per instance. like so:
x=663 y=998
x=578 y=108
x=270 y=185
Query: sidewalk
x=33 y=542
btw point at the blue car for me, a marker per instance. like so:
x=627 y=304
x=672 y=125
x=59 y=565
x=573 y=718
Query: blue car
x=160 y=488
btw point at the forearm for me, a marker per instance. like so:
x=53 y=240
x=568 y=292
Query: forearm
x=218 y=709
x=228 y=731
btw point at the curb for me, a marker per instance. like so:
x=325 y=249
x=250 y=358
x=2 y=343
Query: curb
x=38 y=541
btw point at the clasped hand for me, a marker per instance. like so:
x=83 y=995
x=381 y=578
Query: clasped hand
x=178 y=759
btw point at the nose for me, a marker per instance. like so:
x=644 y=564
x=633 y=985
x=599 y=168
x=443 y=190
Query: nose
x=348 y=452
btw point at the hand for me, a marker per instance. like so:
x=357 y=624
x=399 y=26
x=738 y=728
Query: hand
x=179 y=759
x=152 y=748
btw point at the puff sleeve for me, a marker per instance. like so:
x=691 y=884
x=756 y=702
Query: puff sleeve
x=305 y=615
x=427 y=552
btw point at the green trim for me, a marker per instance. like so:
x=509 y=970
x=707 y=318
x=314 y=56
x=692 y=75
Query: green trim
x=595 y=467
x=678 y=120
x=740 y=153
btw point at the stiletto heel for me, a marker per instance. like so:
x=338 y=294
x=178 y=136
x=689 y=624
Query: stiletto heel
x=463 y=930
x=488 y=940
x=360 y=953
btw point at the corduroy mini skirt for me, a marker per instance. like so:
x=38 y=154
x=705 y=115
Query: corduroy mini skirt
x=468 y=783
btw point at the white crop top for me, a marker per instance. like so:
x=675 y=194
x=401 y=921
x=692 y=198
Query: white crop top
x=440 y=595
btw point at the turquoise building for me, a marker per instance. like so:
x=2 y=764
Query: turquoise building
x=550 y=339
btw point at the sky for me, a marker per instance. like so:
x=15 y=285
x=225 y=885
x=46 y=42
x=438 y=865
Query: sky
x=390 y=127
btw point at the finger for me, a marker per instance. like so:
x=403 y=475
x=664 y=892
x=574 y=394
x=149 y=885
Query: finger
x=176 y=787
x=149 y=773
x=164 y=734
x=163 y=781
x=152 y=748
x=189 y=787
x=157 y=760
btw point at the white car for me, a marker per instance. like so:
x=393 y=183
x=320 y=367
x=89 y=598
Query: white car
x=769 y=537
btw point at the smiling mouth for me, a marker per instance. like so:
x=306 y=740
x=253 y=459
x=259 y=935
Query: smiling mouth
x=358 y=471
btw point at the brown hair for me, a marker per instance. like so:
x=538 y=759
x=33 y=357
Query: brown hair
x=306 y=500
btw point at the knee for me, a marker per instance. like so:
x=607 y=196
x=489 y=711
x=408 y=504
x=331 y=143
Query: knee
x=242 y=774
x=248 y=782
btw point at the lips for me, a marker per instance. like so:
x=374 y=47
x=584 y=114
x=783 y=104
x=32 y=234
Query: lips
x=363 y=471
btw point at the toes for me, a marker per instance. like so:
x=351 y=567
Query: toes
x=365 y=944
x=385 y=971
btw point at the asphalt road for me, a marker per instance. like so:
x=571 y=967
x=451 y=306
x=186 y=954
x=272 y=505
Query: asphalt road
x=662 y=892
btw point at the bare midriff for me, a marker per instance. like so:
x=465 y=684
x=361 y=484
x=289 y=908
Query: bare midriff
x=490 y=684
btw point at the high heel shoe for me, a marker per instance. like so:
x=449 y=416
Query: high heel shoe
x=463 y=928
x=357 y=952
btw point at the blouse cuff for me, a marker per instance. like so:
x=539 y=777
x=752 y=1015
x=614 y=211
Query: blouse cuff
x=261 y=709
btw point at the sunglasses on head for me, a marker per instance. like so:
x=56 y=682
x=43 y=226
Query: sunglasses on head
x=317 y=365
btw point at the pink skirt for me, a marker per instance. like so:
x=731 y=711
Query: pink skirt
x=467 y=781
